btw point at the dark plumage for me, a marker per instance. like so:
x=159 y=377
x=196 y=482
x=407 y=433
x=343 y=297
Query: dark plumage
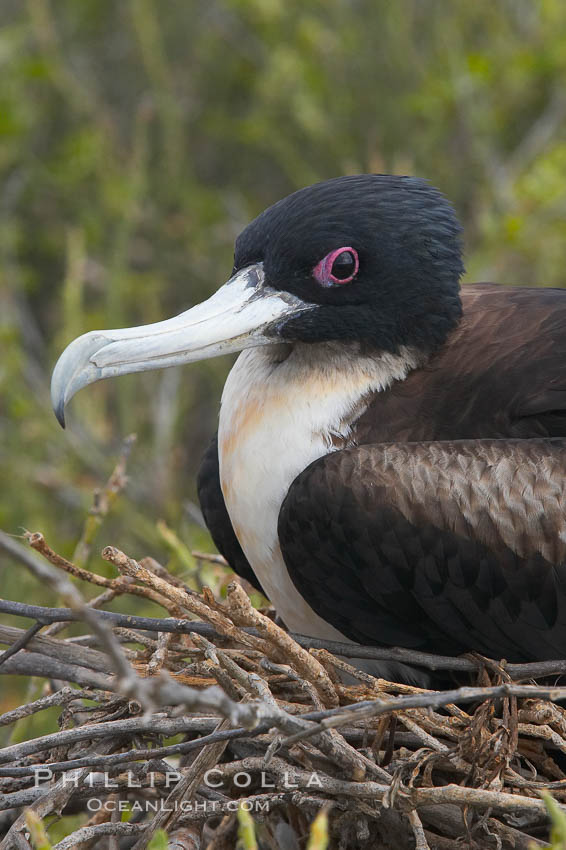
x=441 y=546
x=501 y=373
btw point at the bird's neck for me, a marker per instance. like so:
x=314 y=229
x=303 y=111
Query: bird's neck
x=292 y=397
x=282 y=408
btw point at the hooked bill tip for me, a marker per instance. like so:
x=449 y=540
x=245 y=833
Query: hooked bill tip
x=59 y=412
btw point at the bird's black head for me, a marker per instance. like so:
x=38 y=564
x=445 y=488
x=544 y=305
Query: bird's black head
x=372 y=259
x=396 y=280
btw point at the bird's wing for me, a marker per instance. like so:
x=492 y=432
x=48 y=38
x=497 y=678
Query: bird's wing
x=216 y=516
x=441 y=546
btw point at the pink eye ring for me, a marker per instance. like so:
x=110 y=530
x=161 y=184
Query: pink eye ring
x=340 y=266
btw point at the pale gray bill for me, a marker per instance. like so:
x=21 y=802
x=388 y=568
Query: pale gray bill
x=232 y=319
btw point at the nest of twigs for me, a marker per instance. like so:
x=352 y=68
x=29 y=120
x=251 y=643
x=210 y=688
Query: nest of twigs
x=259 y=718
x=193 y=721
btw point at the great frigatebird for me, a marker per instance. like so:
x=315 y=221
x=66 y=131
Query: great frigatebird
x=390 y=464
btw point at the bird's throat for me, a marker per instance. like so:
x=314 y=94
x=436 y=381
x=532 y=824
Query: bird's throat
x=282 y=408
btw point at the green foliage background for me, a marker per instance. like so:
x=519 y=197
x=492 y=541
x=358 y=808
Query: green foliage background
x=137 y=138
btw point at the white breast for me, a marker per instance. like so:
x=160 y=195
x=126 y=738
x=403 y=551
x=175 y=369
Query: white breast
x=282 y=409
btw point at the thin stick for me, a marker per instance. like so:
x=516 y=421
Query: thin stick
x=333 y=718
x=22 y=641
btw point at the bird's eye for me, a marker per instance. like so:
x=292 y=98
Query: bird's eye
x=340 y=266
x=344 y=265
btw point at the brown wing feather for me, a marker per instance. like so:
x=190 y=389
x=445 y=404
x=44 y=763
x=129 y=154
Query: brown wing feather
x=448 y=546
x=506 y=494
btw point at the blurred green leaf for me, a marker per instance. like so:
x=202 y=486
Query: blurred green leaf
x=558 y=829
x=246 y=830
x=159 y=841
x=318 y=833
x=38 y=834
